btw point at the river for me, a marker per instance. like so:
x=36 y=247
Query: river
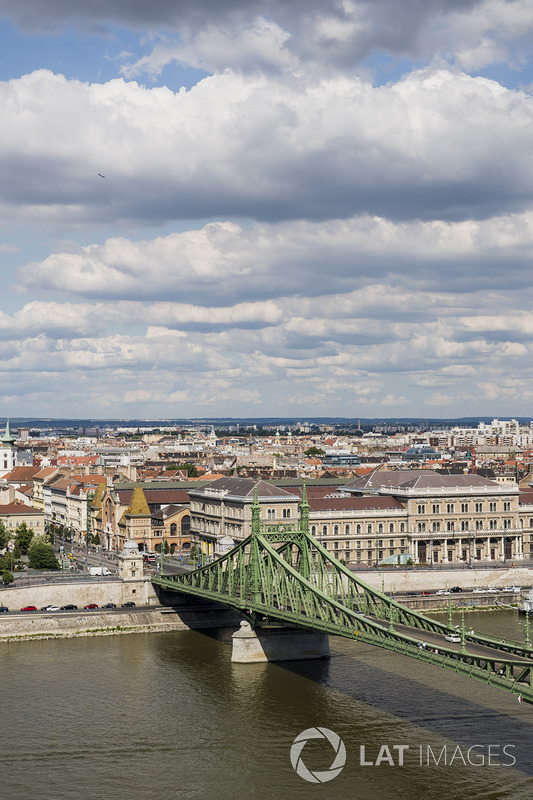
x=167 y=715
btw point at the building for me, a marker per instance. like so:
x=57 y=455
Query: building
x=8 y=452
x=223 y=509
x=14 y=514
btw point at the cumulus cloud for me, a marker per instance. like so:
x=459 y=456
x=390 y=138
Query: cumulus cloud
x=256 y=34
x=433 y=145
x=225 y=263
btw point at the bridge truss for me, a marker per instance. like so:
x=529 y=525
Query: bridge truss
x=282 y=575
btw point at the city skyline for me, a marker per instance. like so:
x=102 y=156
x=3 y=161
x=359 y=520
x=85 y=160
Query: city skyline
x=218 y=209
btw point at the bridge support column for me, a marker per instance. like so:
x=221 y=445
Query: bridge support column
x=281 y=644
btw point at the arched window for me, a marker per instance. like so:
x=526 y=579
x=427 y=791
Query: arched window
x=380 y=527
x=391 y=528
x=313 y=530
x=369 y=528
x=402 y=527
x=335 y=530
x=324 y=530
x=347 y=530
x=173 y=529
x=359 y=529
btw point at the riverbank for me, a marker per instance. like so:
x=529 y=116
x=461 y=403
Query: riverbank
x=30 y=626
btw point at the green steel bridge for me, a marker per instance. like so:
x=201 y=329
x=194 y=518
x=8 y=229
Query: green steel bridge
x=280 y=575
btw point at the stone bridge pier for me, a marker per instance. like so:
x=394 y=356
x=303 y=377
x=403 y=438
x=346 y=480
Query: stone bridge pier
x=251 y=646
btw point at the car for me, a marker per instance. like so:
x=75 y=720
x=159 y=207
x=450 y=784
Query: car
x=442 y=591
x=69 y=607
x=411 y=594
x=453 y=637
x=29 y=608
x=50 y=608
x=4 y=609
x=90 y=606
x=456 y=589
x=492 y=590
x=129 y=604
x=478 y=591
x=425 y=594
x=109 y=605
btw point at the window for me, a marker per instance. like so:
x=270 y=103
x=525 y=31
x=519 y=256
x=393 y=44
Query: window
x=369 y=528
x=173 y=529
x=380 y=543
x=479 y=508
x=464 y=525
x=313 y=530
x=271 y=513
x=492 y=507
x=358 y=529
x=421 y=527
x=450 y=508
x=436 y=509
x=286 y=513
x=324 y=530
x=391 y=528
x=402 y=542
x=358 y=545
x=507 y=506
x=436 y=526
x=402 y=527
x=380 y=527
x=507 y=524
x=421 y=509
x=464 y=508
x=335 y=530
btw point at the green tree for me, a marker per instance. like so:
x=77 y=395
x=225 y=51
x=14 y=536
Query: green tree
x=7 y=577
x=314 y=452
x=96 y=538
x=4 y=536
x=166 y=549
x=41 y=555
x=23 y=537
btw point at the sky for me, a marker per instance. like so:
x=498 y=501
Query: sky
x=244 y=208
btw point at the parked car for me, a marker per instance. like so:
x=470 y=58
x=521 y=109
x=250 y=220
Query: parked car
x=69 y=607
x=493 y=590
x=478 y=591
x=29 y=608
x=50 y=608
x=456 y=589
x=453 y=637
x=4 y=609
x=129 y=604
x=442 y=591
x=110 y=605
x=90 y=606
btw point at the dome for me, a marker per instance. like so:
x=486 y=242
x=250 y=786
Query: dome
x=130 y=546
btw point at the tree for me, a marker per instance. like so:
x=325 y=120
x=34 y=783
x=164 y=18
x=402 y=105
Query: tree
x=4 y=536
x=166 y=548
x=314 y=452
x=41 y=555
x=187 y=467
x=7 y=577
x=23 y=537
x=96 y=538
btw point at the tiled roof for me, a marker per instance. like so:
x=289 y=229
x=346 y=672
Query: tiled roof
x=156 y=496
x=354 y=503
x=138 y=506
x=19 y=508
x=244 y=487
x=417 y=479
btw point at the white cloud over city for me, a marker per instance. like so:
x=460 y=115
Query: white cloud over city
x=295 y=233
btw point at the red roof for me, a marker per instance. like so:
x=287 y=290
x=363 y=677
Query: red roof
x=19 y=508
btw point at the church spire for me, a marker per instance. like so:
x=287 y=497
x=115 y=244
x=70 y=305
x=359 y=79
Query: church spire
x=8 y=440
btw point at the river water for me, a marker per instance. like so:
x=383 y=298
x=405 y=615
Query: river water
x=166 y=715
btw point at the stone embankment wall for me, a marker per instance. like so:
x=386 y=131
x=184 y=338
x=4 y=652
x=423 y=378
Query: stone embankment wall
x=79 y=593
x=412 y=580
x=98 y=623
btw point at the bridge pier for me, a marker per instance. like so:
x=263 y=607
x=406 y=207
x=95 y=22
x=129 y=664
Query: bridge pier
x=281 y=644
